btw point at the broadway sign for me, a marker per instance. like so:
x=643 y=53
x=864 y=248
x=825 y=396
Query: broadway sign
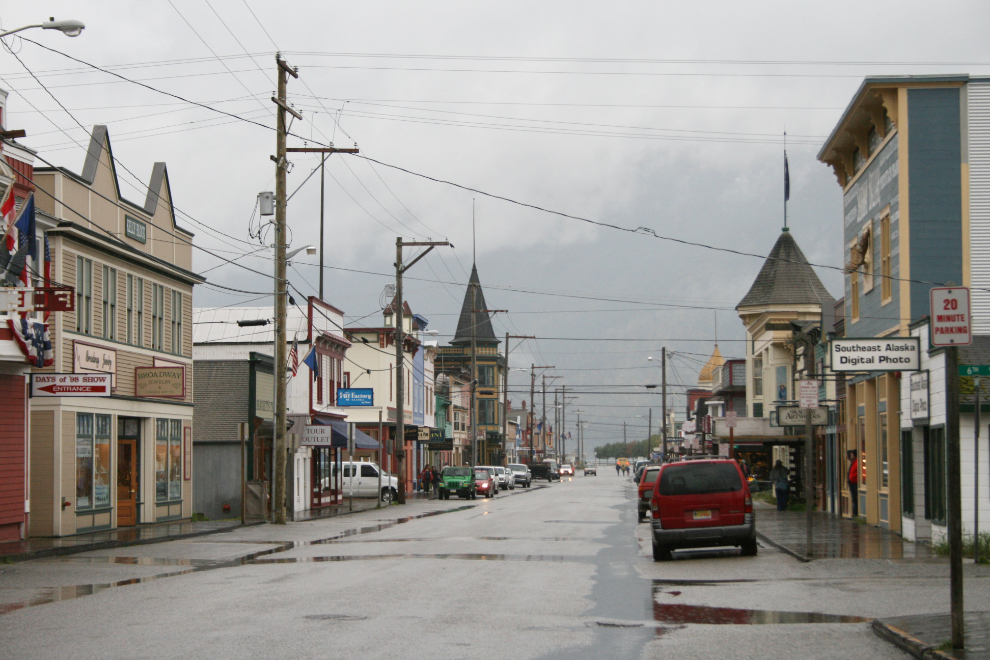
x=893 y=354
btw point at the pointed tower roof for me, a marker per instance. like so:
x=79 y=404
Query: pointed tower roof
x=716 y=360
x=484 y=333
x=786 y=278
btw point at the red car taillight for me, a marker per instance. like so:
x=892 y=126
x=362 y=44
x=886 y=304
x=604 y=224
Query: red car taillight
x=748 y=504
x=654 y=505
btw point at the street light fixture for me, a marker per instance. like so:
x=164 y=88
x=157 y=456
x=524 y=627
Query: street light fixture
x=70 y=28
x=310 y=250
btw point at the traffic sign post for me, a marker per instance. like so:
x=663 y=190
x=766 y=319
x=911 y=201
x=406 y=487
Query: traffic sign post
x=950 y=326
x=808 y=401
x=731 y=420
x=808 y=393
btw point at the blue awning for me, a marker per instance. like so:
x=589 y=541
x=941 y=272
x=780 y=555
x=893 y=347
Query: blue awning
x=362 y=440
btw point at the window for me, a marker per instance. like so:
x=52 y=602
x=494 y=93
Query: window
x=886 y=288
x=758 y=376
x=873 y=140
x=486 y=376
x=854 y=294
x=907 y=473
x=369 y=471
x=319 y=388
x=884 y=457
x=84 y=295
x=935 y=495
x=868 y=263
x=858 y=160
x=139 y=306
x=176 y=322
x=168 y=460
x=757 y=410
x=109 y=302
x=862 y=451
x=92 y=461
x=157 y=316
x=487 y=411
x=130 y=309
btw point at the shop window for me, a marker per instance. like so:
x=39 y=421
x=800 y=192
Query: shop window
x=168 y=460
x=176 y=322
x=907 y=473
x=84 y=295
x=109 y=303
x=319 y=389
x=886 y=284
x=884 y=456
x=935 y=484
x=92 y=461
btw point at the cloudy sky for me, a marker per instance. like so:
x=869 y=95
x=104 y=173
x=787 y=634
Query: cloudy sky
x=668 y=116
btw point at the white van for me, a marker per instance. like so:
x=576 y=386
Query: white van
x=365 y=480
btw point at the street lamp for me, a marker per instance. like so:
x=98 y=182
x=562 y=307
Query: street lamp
x=310 y=250
x=70 y=28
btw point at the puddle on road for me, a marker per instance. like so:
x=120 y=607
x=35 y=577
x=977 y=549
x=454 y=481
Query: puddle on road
x=464 y=556
x=728 y=616
x=55 y=594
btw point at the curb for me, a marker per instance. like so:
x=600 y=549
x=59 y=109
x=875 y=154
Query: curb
x=783 y=548
x=908 y=643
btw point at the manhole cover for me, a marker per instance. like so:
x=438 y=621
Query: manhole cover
x=334 y=617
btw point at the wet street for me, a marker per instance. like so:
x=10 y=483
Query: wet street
x=561 y=571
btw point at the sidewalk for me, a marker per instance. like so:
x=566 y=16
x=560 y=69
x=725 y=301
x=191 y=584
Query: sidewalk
x=834 y=538
x=926 y=636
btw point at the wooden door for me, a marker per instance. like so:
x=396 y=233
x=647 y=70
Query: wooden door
x=127 y=483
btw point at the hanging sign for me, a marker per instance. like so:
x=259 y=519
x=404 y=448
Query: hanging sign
x=919 y=395
x=355 y=396
x=950 y=316
x=891 y=354
x=795 y=416
x=70 y=385
x=808 y=393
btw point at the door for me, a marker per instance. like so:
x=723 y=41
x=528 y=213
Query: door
x=127 y=484
x=369 y=480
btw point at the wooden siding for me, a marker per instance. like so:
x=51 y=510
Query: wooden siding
x=13 y=461
x=979 y=203
x=43 y=468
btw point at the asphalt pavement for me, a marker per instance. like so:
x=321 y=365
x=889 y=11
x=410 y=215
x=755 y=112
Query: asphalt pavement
x=561 y=570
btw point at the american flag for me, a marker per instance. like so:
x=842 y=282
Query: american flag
x=294 y=356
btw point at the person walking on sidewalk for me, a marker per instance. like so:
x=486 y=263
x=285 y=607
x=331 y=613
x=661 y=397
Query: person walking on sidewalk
x=853 y=482
x=435 y=480
x=424 y=479
x=618 y=469
x=780 y=478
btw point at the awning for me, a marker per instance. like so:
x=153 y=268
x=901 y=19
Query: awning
x=339 y=438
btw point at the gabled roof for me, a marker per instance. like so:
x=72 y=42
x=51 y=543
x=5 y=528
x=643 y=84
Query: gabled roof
x=786 y=279
x=484 y=332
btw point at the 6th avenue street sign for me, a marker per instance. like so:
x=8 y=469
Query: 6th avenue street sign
x=974 y=370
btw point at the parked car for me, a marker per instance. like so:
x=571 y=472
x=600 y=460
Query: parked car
x=567 y=469
x=701 y=503
x=638 y=465
x=457 y=480
x=590 y=469
x=645 y=480
x=505 y=480
x=484 y=482
x=554 y=470
x=498 y=473
x=364 y=482
x=520 y=474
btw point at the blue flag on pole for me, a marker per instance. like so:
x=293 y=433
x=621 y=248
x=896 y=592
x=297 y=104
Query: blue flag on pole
x=312 y=361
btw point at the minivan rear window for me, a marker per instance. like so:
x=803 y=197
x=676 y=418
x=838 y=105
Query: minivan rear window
x=649 y=476
x=699 y=479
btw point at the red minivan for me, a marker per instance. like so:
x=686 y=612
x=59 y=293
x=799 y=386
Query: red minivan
x=701 y=503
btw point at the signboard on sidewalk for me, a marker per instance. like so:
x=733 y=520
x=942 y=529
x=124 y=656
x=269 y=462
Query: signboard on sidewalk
x=808 y=393
x=70 y=385
x=731 y=419
x=795 y=416
x=872 y=354
x=950 y=316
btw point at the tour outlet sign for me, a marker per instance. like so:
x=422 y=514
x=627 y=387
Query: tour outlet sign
x=890 y=354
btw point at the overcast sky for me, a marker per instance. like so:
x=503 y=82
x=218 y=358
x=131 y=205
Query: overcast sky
x=652 y=114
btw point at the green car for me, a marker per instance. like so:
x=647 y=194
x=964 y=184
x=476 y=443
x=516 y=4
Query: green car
x=458 y=480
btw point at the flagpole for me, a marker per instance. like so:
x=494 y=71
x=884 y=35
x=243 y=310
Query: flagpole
x=787 y=181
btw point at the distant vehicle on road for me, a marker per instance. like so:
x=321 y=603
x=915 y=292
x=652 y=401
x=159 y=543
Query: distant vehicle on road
x=520 y=474
x=701 y=503
x=457 y=480
x=567 y=469
x=484 y=482
x=547 y=470
x=622 y=462
x=505 y=480
x=590 y=469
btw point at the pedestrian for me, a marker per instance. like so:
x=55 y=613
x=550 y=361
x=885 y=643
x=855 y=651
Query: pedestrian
x=853 y=481
x=780 y=478
x=618 y=469
x=435 y=479
x=424 y=479
x=745 y=469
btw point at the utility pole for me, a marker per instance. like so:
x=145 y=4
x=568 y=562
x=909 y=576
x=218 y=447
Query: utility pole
x=505 y=405
x=954 y=508
x=400 y=412
x=623 y=433
x=649 y=429
x=563 y=420
x=663 y=397
x=532 y=405
x=278 y=448
x=543 y=426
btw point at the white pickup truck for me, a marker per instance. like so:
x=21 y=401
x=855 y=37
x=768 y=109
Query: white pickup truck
x=362 y=477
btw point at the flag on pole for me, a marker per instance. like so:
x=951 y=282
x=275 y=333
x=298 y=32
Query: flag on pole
x=294 y=356
x=312 y=361
x=25 y=227
x=787 y=179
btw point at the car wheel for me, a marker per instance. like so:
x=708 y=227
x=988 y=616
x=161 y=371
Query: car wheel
x=749 y=547
x=661 y=552
x=386 y=495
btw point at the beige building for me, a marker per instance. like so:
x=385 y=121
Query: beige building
x=104 y=463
